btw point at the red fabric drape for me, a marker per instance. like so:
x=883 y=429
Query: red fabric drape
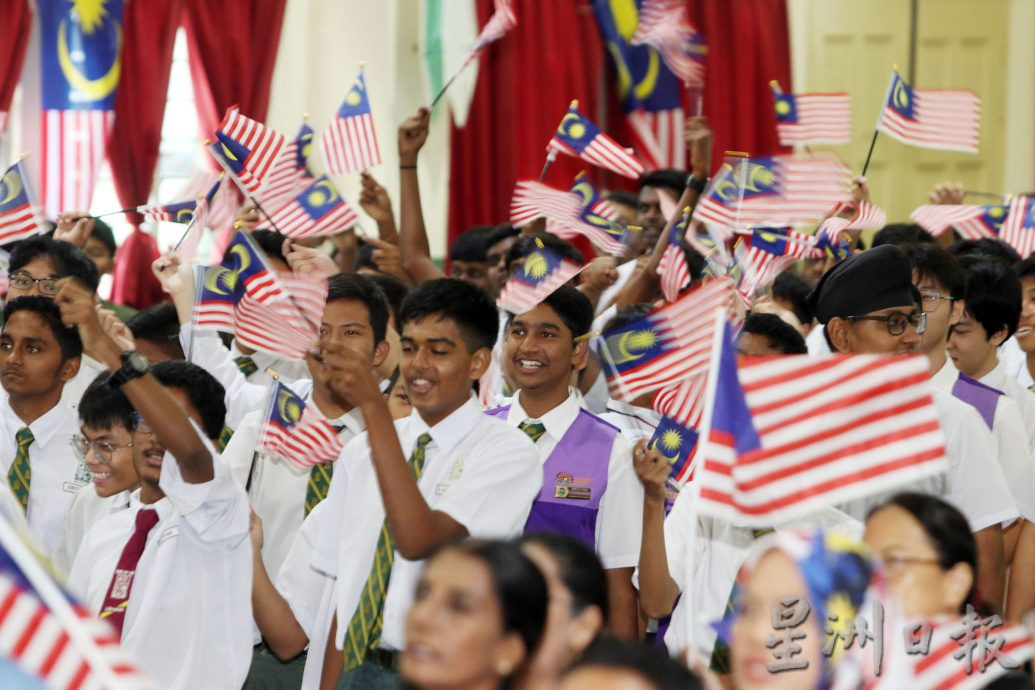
x=555 y=54
x=14 y=39
x=149 y=29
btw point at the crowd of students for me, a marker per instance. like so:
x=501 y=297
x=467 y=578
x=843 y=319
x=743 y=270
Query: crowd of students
x=494 y=519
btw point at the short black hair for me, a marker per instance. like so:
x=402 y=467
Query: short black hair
x=104 y=406
x=473 y=312
x=993 y=294
x=666 y=178
x=795 y=290
x=160 y=325
x=270 y=242
x=986 y=245
x=395 y=292
x=1025 y=268
x=471 y=244
x=358 y=287
x=500 y=232
x=574 y=308
x=365 y=257
x=578 y=567
x=780 y=335
x=526 y=244
x=102 y=231
x=901 y=234
x=203 y=391
x=67 y=338
x=626 y=316
x=624 y=198
x=651 y=664
x=935 y=263
x=68 y=259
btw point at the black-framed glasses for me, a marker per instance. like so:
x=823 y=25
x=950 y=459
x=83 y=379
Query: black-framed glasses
x=101 y=450
x=896 y=322
x=930 y=301
x=23 y=281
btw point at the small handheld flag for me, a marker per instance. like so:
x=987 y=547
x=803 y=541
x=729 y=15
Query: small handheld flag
x=542 y=272
x=664 y=26
x=949 y=120
x=577 y=136
x=812 y=118
x=246 y=149
x=296 y=432
x=972 y=221
x=1019 y=227
x=177 y=212
x=349 y=144
x=677 y=444
x=673 y=270
x=317 y=210
x=291 y=170
x=578 y=211
x=18 y=216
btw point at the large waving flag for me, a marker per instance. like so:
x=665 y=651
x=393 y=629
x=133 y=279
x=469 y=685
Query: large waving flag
x=577 y=136
x=664 y=26
x=19 y=218
x=246 y=149
x=812 y=118
x=80 y=48
x=578 y=211
x=349 y=144
x=1018 y=229
x=972 y=221
x=318 y=210
x=788 y=435
x=542 y=272
x=296 y=432
x=931 y=118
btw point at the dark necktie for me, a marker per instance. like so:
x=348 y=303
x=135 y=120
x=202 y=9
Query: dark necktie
x=535 y=430
x=20 y=474
x=117 y=598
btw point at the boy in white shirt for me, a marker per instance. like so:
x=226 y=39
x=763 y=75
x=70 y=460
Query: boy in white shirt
x=172 y=573
x=401 y=490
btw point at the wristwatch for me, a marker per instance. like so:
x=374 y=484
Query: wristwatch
x=134 y=365
x=695 y=184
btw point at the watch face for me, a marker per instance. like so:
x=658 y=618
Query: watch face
x=138 y=362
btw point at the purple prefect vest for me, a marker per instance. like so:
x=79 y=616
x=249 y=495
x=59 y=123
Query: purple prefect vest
x=981 y=397
x=574 y=479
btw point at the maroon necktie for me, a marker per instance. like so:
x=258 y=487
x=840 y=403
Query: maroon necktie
x=117 y=598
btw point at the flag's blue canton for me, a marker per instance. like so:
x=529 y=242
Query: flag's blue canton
x=319 y=198
x=12 y=190
x=576 y=131
x=356 y=102
x=80 y=55
x=900 y=97
x=637 y=344
x=233 y=152
x=287 y=408
x=675 y=442
x=786 y=108
x=731 y=417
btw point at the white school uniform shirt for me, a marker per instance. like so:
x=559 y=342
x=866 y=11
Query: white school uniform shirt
x=816 y=341
x=309 y=593
x=479 y=470
x=277 y=492
x=74 y=388
x=87 y=509
x=636 y=423
x=57 y=475
x=1012 y=447
x=189 y=618
x=625 y=272
x=1000 y=379
x=288 y=370
x=620 y=513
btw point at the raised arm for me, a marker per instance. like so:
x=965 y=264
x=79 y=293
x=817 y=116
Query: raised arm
x=273 y=615
x=374 y=200
x=413 y=236
x=658 y=591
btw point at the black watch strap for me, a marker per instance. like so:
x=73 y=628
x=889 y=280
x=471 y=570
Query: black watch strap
x=695 y=184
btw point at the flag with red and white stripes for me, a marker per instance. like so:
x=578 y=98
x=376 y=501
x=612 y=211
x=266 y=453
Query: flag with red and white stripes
x=972 y=221
x=541 y=273
x=318 y=210
x=176 y=212
x=579 y=211
x=1018 y=229
x=296 y=432
x=74 y=148
x=949 y=120
x=287 y=326
x=789 y=435
x=349 y=144
x=658 y=137
x=290 y=172
x=764 y=253
x=673 y=270
x=667 y=345
x=502 y=20
x=663 y=25
x=19 y=217
x=577 y=136
x=188 y=245
x=246 y=149
x=812 y=118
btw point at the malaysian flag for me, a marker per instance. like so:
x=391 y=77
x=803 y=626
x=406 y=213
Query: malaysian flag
x=812 y=118
x=776 y=191
x=243 y=271
x=766 y=252
x=577 y=136
x=670 y=343
x=246 y=149
x=1019 y=227
x=664 y=26
x=349 y=144
x=868 y=216
x=542 y=272
x=296 y=432
x=832 y=240
x=972 y=221
x=931 y=118
x=578 y=211
x=789 y=435
x=502 y=20
x=178 y=212
x=19 y=217
x=676 y=443
x=673 y=270
x=187 y=247
x=318 y=210
x=51 y=637
x=80 y=63
x=290 y=172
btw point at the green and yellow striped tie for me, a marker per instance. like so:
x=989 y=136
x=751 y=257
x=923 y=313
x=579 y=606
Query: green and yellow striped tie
x=246 y=365
x=535 y=430
x=20 y=474
x=224 y=438
x=319 y=483
x=364 y=631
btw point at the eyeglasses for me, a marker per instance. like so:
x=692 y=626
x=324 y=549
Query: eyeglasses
x=895 y=566
x=930 y=301
x=101 y=450
x=23 y=281
x=896 y=322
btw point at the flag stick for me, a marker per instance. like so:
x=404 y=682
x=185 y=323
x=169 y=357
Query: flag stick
x=442 y=91
x=973 y=192
x=873 y=142
x=550 y=158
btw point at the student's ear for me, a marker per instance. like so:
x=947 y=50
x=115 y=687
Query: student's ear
x=480 y=360
x=999 y=337
x=957 y=312
x=837 y=330
x=510 y=654
x=381 y=353
x=69 y=369
x=584 y=628
x=580 y=355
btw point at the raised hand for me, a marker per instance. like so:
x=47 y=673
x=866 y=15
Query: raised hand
x=374 y=199
x=413 y=132
x=175 y=277
x=78 y=307
x=699 y=137
x=116 y=329
x=653 y=470
x=74 y=227
x=346 y=372
x=304 y=259
x=947 y=193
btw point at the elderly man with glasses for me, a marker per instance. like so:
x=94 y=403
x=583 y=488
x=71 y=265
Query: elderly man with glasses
x=869 y=305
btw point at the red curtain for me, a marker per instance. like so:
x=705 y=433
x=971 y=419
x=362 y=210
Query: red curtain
x=149 y=29
x=555 y=54
x=14 y=39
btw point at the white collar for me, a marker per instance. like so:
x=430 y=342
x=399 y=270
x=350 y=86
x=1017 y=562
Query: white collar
x=557 y=421
x=451 y=430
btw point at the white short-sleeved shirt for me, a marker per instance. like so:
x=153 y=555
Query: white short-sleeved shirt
x=288 y=370
x=479 y=470
x=74 y=388
x=87 y=509
x=816 y=341
x=636 y=423
x=999 y=379
x=620 y=515
x=189 y=619
x=57 y=475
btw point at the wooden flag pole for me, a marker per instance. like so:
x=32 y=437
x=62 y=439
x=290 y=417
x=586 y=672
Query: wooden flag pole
x=876 y=128
x=869 y=155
